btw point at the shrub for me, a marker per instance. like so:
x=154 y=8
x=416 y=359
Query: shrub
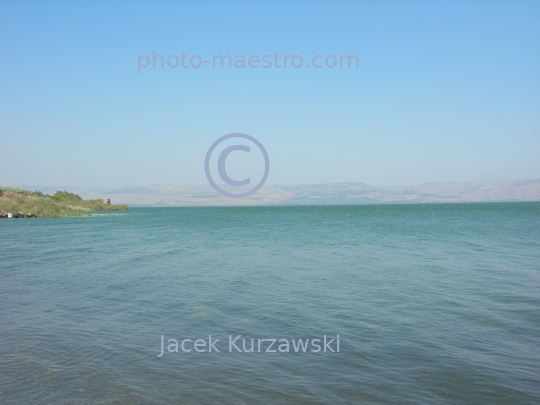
x=15 y=190
x=64 y=196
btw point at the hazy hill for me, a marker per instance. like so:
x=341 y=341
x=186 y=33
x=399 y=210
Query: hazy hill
x=335 y=193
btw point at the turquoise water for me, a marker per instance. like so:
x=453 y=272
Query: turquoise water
x=434 y=304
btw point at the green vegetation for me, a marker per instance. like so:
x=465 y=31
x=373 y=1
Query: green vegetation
x=64 y=196
x=61 y=204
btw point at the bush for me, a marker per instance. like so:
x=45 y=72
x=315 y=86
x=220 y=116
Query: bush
x=15 y=190
x=64 y=196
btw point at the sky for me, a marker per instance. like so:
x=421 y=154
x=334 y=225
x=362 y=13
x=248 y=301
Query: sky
x=444 y=91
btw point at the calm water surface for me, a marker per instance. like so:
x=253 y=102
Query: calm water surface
x=434 y=304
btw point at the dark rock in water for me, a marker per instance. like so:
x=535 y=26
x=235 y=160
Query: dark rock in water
x=3 y=214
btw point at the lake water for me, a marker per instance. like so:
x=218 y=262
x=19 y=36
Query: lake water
x=434 y=304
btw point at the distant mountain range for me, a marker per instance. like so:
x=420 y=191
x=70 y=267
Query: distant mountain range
x=334 y=193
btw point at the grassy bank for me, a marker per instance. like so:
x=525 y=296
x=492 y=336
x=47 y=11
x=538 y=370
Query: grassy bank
x=61 y=204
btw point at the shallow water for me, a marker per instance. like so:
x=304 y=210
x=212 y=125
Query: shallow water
x=433 y=304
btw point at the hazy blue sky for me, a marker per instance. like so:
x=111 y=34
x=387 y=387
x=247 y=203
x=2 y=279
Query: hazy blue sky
x=445 y=91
